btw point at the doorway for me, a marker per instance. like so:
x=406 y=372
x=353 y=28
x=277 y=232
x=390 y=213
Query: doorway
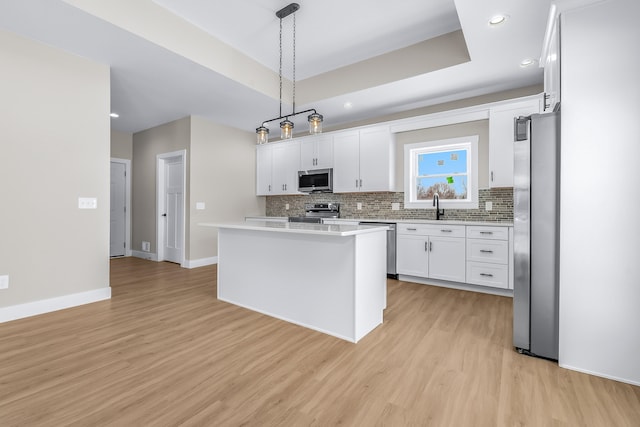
x=171 y=183
x=120 y=201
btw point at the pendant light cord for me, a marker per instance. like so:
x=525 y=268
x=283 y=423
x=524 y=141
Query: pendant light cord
x=280 y=72
x=294 y=63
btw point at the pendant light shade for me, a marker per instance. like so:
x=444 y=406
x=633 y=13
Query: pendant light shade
x=286 y=129
x=262 y=133
x=315 y=123
x=286 y=125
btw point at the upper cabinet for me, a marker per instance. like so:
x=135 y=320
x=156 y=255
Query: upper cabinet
x=501 y=137
x=316 y=152
x=551 y=58
x=277 y=168
x=364 y=160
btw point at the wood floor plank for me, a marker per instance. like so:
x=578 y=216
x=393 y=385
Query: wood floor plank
x=164 y=351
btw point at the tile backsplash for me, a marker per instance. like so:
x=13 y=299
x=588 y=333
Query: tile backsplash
x=378 y=205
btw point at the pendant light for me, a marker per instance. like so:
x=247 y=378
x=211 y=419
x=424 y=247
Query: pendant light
x=286 y=126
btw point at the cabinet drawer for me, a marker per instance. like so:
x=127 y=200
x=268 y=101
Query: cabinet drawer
x=485 y=274
x=432 y=230
x=493 y=251
x=487 y=232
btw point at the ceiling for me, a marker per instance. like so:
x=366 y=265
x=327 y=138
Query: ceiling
x=220 y=60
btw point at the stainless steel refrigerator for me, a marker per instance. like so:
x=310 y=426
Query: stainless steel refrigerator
x=536 y=202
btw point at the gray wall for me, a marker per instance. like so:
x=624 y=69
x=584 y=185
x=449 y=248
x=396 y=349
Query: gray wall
x=599 y=251
x=223 y=176
x=121 y=145
x=50 y=156
x=173 y=136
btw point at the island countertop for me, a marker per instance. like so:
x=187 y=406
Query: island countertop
x=299 y=228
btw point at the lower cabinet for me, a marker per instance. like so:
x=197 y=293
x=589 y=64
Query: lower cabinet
x=431 y=251
x=477 y=255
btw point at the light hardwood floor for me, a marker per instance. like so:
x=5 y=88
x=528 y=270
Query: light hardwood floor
x=164 y=352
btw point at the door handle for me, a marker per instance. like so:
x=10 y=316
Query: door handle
x=164 y=214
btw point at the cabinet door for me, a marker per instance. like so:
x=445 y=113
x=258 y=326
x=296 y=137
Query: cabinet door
x=285 y=164
x=375 y=159
x=346 y=162
x=412 y=256
x=447 y=258
x=307 y=154
x=501 y=121
x=264 y=157
x=324 y=152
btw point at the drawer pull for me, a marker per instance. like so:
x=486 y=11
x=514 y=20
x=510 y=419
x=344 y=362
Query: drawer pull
x=486 y=232
x=447 y=231
x=486 y=251
x=412 y=229
x=486 y=275
x=425 y=247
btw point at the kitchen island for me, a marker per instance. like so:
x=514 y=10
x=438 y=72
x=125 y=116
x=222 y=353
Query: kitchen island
x=330 y=278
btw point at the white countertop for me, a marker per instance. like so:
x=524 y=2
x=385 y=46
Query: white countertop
x=299 y=228
x=427 y=221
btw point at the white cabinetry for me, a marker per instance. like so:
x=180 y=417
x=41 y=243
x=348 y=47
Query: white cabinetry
x=316 y=152
x=277 y=168
x=551 y=57
x=501 y=131
x=488 y=255
x=431 y=251
x=364 y=160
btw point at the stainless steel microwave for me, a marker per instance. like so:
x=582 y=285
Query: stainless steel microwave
x=316 y=181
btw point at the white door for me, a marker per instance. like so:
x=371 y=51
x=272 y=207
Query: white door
x=173 y=214
x=118 y=210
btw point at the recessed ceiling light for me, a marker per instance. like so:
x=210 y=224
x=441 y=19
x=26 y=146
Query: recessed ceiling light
x=348 y=105
x=497 y=20
x=527 y=62
x=114 y=115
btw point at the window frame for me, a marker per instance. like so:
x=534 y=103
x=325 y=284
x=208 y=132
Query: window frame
x=411 y=151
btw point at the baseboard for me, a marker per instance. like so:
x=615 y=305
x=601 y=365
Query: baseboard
x=145 y=255
x=456 y=285
x=195 y=263
x=34 y=308
x=599 y=374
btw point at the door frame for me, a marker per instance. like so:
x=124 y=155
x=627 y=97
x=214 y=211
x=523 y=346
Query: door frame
x=161 y=160
x=127 y=203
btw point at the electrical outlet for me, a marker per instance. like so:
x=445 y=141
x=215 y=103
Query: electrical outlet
x=4 y=282
x=146 y=246
x=200 y=206
x=359 y=206
x=87 y=203
x=286 y=206
x=488 y=206
x=395 y=206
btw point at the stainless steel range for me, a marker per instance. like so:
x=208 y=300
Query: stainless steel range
x=314 y=212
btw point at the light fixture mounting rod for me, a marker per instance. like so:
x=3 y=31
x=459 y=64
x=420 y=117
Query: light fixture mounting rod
x=287 y=10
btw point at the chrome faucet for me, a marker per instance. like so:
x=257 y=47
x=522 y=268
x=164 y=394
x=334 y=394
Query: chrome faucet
x=436 y=203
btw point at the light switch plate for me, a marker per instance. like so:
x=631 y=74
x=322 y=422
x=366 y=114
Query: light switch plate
x=286 y=206
x=4 y=282
x=87 y=203
x=359 y=206
x=200 y=206
x=488 y=206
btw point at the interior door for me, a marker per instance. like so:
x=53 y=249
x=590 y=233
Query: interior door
x=173 y=209
x=118 y=212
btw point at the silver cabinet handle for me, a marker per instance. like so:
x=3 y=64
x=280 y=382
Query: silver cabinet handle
x=486 y=274
x=269 y=187
x=412 y=229
x=486 y=251
x=356 y=183
x=486 y=232
x=491 y=176
x=446 y=231
x=430 y=246
x=425 y=246
x=360 y=183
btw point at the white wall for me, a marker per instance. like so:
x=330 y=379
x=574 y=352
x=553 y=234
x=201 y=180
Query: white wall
x=54 y=148
x=599 y=275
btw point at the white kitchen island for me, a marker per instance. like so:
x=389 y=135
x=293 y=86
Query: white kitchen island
x=330 y=278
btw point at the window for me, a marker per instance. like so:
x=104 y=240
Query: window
x=447 y=167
